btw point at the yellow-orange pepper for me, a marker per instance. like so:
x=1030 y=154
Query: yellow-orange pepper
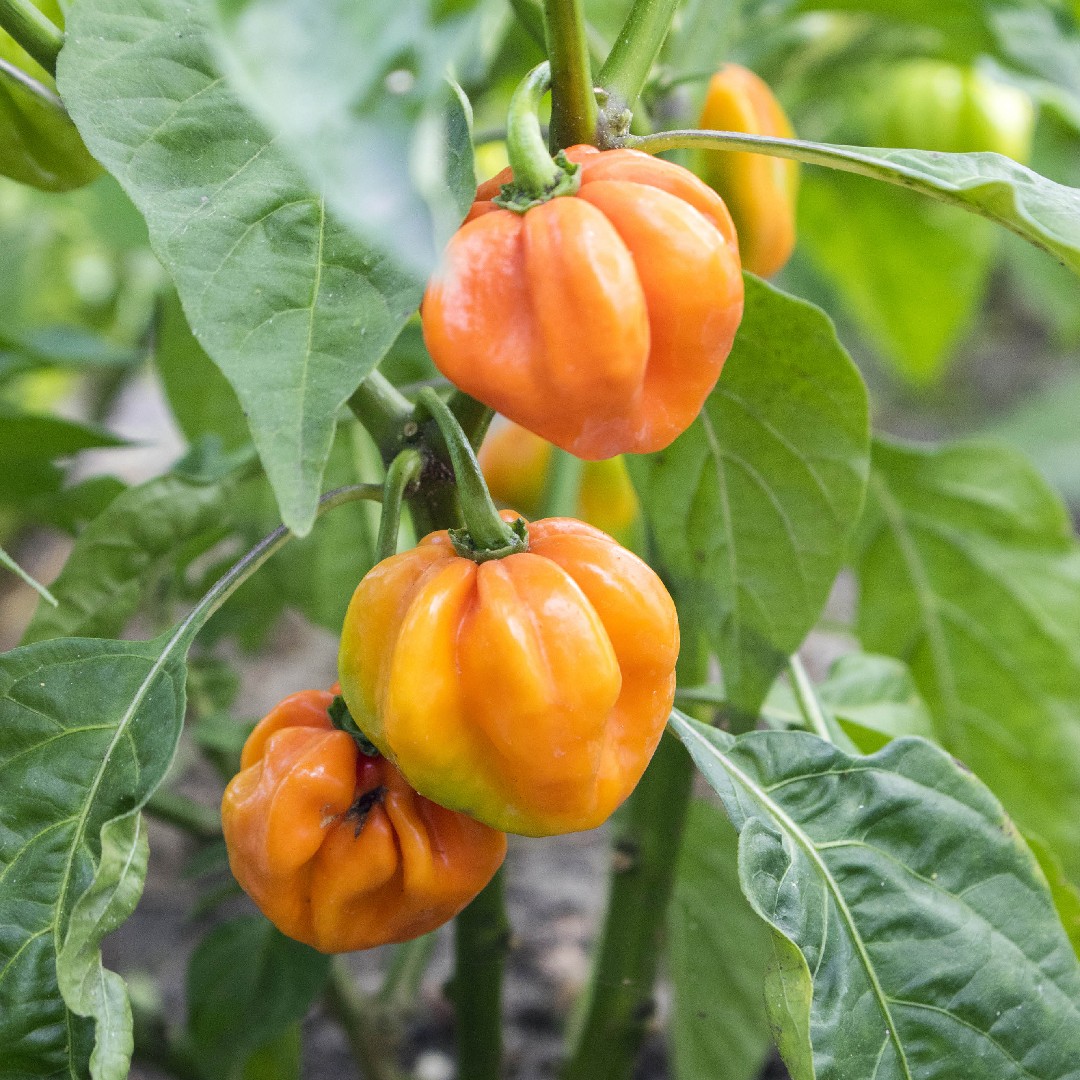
x=760 y=191
x=528 y=691
x=598 y=320
x=335 y=848
x=515 y=464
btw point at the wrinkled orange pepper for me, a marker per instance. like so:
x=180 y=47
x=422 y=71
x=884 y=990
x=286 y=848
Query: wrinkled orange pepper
x=516 y=463
x=759 y=190
x=600 y=320
x=528 y=691
x=334 y=846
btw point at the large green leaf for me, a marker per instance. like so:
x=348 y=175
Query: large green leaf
x=358 y=94
x=90 y=728
x=1044 y=213
x=916 y=287
x=753 y=506
x=717 y=951
x=913 y=922
x=247 y=985
x=968 y=571
x=290 y=305
x=201 y=399
x=123 y=553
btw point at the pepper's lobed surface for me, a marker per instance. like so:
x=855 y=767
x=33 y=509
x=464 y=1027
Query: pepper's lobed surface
x=529 y=692
x=334 y=847
x=599 y=321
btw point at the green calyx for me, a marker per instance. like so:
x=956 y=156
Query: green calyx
x=565 y=181
x=538 y=177
x=343 y=720
x=466 y=548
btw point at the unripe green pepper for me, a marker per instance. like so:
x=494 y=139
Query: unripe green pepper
x=934 y=105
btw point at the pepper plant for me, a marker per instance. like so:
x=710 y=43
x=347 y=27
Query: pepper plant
x=254 y=197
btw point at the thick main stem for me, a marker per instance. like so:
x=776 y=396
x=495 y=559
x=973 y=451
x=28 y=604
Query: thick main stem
x=632 y=56
x=33 y=30
x=573 y=99
x=481 y=944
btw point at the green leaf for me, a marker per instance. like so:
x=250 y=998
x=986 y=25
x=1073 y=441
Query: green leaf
x=7 y=561
x=90 y=728
x=279 y=1059
x=1044 y=428
x=358 y=94
x=123 y=554
x=1066 y=895
x=247 y=985
x=201 y=399
x=39 y=144
x=968 y=572
x=928 y=937
x=292 y=308
x=753 y=506
x=873 y=698
x=88 y=988
x=915 y=290
x=717 y=951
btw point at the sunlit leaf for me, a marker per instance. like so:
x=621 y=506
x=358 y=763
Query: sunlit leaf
x=920 y=933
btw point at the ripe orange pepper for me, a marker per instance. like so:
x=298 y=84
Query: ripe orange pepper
x=515 y=464
x=334 y=846
x=528 y=691
x=600 y=320
x=760 y=191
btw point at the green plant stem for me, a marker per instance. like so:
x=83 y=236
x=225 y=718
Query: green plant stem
x=563 y=485
x=631 y=58
x=807 y=700
x=371 y=1041
x=405 y=973
x=537 y=176
x=481 y=944
x=383 y=410
x=488 y=535
x=403 y=471
x=15 y=74
x=573 y=97
x=187 y=814
x=473 y=416
x=33 y=30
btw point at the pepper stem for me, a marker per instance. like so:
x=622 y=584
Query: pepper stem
x=486 y=535
x=537 y=176
x=404 y=469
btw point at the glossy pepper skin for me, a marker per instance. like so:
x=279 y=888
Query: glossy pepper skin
x=334 y=846
x=760 y=191
x=516 y=462
x=530 y=691
x=601 y=320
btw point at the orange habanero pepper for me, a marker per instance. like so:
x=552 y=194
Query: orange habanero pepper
x=528 y=691
x=334 y=846
x=598 y=320
x=516 y=463
x=760 y=191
